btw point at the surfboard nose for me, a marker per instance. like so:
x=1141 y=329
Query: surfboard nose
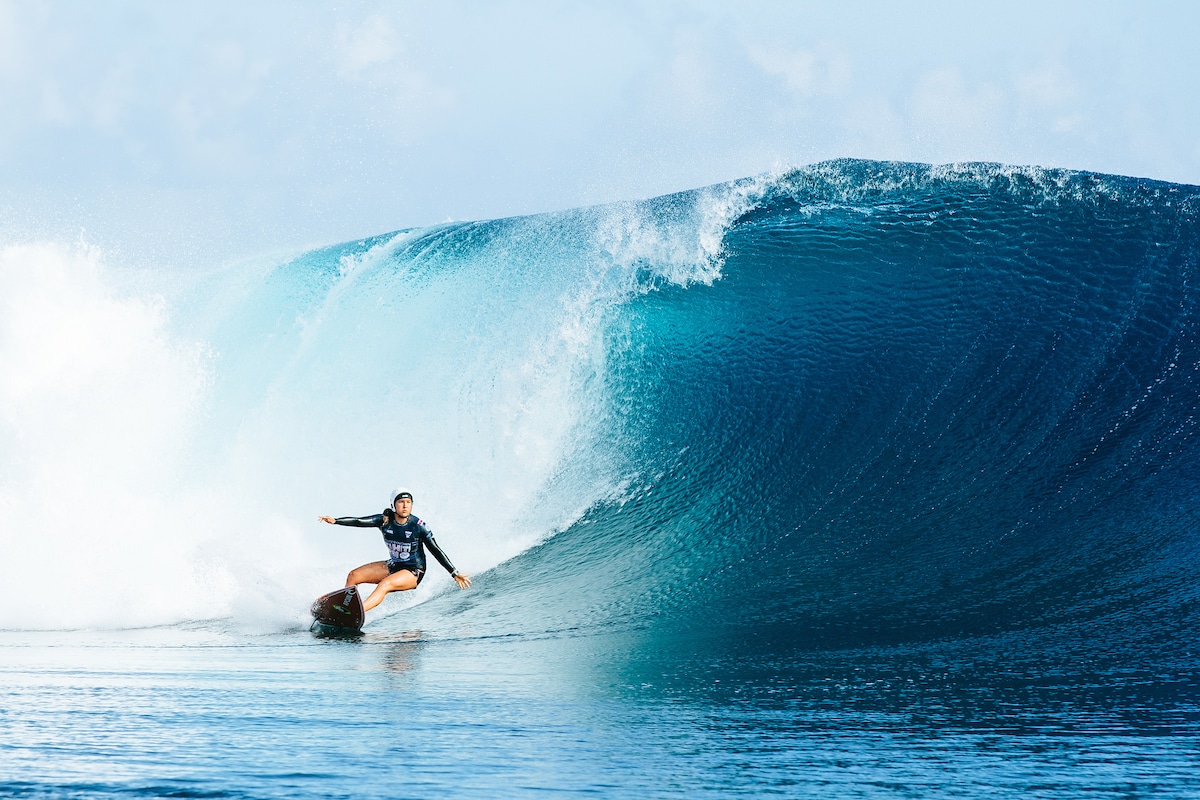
x=341 y=609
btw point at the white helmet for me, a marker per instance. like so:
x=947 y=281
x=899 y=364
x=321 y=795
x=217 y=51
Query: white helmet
x=396 y=495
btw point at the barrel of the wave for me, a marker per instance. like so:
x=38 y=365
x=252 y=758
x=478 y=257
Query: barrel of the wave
x=338 y=614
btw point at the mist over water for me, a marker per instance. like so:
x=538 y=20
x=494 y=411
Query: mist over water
x=99 y=399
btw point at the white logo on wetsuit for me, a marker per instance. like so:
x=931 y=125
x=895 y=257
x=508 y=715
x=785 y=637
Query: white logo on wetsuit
x=403 y=541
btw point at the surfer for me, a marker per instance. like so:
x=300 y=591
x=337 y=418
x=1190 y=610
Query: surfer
x=406 y=537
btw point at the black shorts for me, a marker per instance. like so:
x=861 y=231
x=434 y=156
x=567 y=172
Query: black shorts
x=395 y=566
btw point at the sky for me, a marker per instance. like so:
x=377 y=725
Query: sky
x=198 y=134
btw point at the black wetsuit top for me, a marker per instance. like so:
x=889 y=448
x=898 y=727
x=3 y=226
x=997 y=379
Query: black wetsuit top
x=406 y=543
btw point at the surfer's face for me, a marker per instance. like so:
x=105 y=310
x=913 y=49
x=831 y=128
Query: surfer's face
x=403 y=506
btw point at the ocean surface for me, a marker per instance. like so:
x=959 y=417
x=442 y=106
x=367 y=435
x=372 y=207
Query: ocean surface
x=861 y=480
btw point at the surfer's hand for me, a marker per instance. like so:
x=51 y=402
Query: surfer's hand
x=330 y=520
x=463 y=581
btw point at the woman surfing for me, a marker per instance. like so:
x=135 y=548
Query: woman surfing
x=406 y=537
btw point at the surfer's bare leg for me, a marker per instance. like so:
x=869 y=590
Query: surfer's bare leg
x=367 y=573
x=399 y=581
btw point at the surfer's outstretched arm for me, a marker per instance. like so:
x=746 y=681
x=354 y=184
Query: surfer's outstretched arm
x=373 y=521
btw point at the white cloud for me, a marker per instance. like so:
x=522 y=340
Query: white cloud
x=825 y=71
x=1050 y=86
x=390 y=95
x=365 y=46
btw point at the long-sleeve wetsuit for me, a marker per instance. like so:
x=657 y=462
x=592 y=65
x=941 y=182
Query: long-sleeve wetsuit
x=406 y=543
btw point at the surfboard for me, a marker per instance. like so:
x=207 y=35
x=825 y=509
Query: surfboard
x=338 y=613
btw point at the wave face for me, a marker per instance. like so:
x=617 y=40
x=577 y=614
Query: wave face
x=919 y=403
x=856 y=403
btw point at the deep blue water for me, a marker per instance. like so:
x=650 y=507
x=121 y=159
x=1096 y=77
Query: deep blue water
x=211 y=714
x=867 y=480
